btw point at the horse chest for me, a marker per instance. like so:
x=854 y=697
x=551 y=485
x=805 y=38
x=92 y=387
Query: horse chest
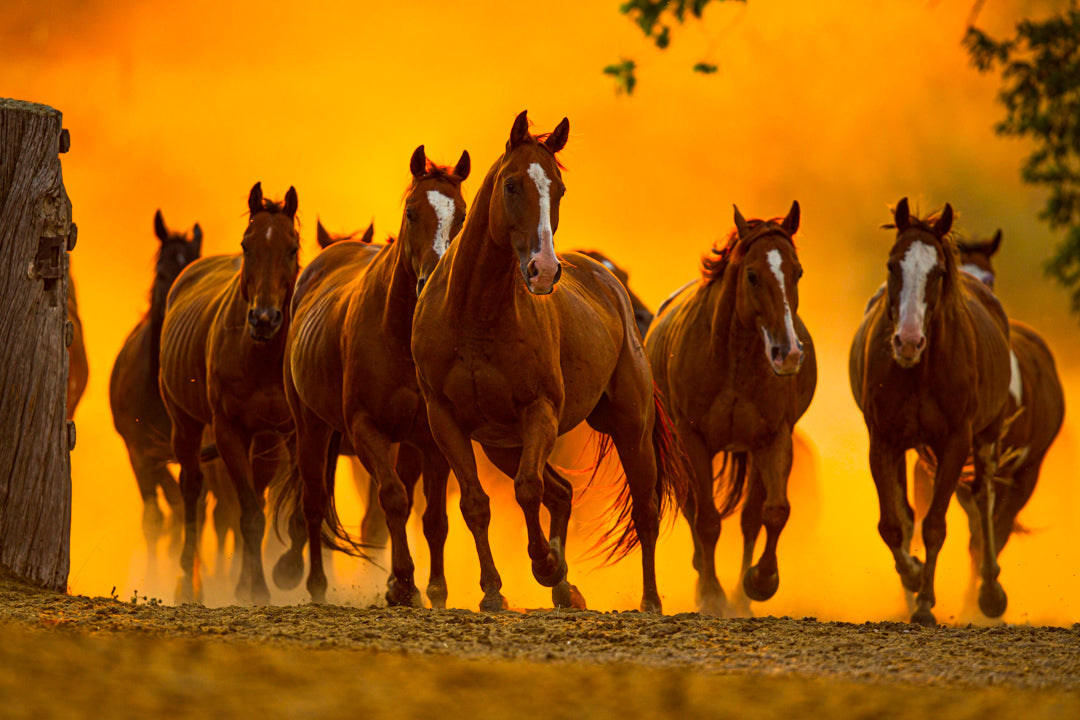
x=485 y=396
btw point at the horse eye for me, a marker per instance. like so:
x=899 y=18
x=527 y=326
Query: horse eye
x=410 y=214
x=798 y=274
x=751 y=277
x=293 y=252
x=510 y=186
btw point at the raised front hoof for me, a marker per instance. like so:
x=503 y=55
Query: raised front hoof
x=289 y=571
x=436 y=595
x=402 y=594
x=550 y=571
x=992 y=600
x=924 y=617
x=565 y=595
x=911 y=577
x=759 y=588
x=494 y=602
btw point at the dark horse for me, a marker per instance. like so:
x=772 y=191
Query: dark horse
x=138 y=412
x=222 y=344
x=349 y=371
x=1036 y=411
x=929 y=366
x=505 y=357
x=78 y=367
x=737 y=368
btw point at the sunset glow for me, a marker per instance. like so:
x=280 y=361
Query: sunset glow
x=846 y=107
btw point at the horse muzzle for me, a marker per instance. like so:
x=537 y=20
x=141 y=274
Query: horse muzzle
x=264 y=322
x=907 y=348
x=784 y=358
x=542 y=273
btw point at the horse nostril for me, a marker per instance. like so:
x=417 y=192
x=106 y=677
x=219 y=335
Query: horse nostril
x=922 y=342
x=275 y=318
x=774 y=353
x=558 y=273
x=533 y=269
x=420 y=285
x=252 y=320
x=896 y=341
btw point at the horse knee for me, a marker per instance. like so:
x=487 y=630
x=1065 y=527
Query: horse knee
x=933 y=533
x=394 y=501
x=891 y=534
x=776 y=516
x=527 y=490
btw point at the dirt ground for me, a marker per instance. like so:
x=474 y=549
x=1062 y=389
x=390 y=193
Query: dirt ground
x=69 y=656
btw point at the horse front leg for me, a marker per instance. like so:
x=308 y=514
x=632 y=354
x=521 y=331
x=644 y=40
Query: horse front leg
x=558 y=499
x=772 y=464
x=704 y=522
x=992 y=598
x=456 y=447
x=951 y=457
x=186 y=440
x=234 y=446
x=435 y=471
x=750 y=521
x=375 y=451
x=539 y=429
x=888 y=470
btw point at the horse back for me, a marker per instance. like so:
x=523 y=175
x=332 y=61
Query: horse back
x=1038 y=391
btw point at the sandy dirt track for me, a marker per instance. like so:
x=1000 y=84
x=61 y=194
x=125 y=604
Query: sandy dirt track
x=65 y=656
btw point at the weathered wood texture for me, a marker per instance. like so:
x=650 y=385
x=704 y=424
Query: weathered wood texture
x=35 y=468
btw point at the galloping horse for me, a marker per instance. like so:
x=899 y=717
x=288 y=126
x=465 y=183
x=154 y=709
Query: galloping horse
x=349 y=371
x=222 y=343
x=138 y=412
x=513 y=362
x=78 y=367
x=929 y=366
x=738 y=369
x=1036 y=411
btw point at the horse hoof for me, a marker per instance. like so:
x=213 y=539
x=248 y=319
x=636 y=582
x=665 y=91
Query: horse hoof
x=565 y=595
x=912 y=579
x=758 y=588
x=552 y=570
x=436 y=595
x=713 y=605
x=652 y=605
x=185 y=591
x=924 y=617
x=402 y=594
x=317 y=590
x=493 y=602
x=288 y=571
x=992 y=600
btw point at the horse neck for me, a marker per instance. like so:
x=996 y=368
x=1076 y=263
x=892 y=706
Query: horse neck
x=392 y=272
x=155 y=318
x=483 y=270
x=726 y=323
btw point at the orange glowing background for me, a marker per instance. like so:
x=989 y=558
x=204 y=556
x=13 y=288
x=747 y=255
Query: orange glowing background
x=844 y=106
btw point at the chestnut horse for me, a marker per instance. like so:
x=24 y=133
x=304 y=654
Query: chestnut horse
x=1036 y=411
x=138 y=412
x=78 y=368
x=929 y=366
x=513 y=362
x=737 y=368
x=349 y=371
x=643 y=316
x=222 y=343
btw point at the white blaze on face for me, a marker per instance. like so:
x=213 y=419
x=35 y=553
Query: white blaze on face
x=1016 y=386
x=775 y=262
x=444 y=211
x=543 y=186
x=918 y=261
x=983 y=276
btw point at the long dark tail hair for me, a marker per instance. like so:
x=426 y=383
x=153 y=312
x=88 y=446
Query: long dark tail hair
x=334 y=535
x=673 y=475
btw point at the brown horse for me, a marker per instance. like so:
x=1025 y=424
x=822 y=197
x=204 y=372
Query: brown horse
x=138 y=412
x=1036 y=411
x=929 y=366
x=643 y=316
x=349 y=371
x=513 y=362
x=737 y=367
x=78 y=367
x=325 y=239
x=222 y=343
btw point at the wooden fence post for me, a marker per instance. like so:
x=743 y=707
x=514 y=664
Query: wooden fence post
x=35 y=436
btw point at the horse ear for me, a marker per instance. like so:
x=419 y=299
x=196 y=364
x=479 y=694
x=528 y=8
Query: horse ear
x=159 y=227
x=321 y=236
x=791 y=222
x=902 y=215
x=291 y=202
x=944 y=222
x=556 y=141
x=418 y=162
x=520 y=130
x=995 y=242
x=740 y=223
x=464 y=165
x=369 y=234
x=196 y=239
x=255 y=199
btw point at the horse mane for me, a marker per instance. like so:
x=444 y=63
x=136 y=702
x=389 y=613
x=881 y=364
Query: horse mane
x=713 y=268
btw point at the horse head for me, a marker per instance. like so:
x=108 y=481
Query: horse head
x=434 y=212
x=525 y=201
x=975 y=258
x=767 y=290
x=922 y=268
x=270 y=264
x=175 y=253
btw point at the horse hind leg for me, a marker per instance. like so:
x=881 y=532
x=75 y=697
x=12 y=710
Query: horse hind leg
x=186 y=440
x=750 y=522
x=992 y=597
x=704 y=519
x=432 y=466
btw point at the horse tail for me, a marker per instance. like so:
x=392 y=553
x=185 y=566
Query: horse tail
x=730 y=483
x=673 y=475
